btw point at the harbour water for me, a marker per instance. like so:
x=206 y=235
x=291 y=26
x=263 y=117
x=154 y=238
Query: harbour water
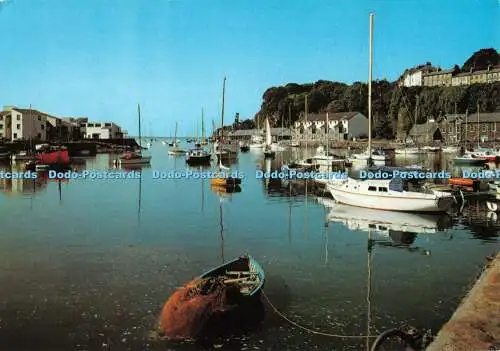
x=88 y=264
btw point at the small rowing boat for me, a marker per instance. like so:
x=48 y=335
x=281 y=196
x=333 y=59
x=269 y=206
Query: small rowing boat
x=214 y=301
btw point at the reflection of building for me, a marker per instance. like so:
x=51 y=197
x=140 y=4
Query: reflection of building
x=21 y=186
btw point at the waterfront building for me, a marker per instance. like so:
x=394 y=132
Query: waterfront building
x=102 y=130
x=341 y=126
x=466 y=128
x=23 y=124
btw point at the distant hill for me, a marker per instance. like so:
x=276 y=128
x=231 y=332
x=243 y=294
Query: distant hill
x=482 y=59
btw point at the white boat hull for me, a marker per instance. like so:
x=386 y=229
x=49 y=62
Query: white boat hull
x=390 y=202
x=257 y=146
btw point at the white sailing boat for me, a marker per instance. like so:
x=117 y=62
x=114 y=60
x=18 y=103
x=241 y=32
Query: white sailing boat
x=268 y=149
x=176 y=150
x=386 y=194
x=135 y=158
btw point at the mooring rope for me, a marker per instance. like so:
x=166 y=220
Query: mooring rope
x=311 y=330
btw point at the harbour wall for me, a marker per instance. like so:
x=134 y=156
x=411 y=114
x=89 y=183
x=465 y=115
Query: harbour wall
x=475 y=325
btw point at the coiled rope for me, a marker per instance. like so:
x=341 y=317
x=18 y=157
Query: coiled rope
x=311 y=330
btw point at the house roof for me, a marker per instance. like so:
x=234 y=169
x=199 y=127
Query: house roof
x=472 y=118
x=446 y=71
x=250 y=132
x=423 y=129
x=335 y=116
x=32 y=111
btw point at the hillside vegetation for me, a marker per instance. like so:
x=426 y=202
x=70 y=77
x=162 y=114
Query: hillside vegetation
x=393 y=108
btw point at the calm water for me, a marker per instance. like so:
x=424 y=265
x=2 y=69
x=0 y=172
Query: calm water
x=88 y=264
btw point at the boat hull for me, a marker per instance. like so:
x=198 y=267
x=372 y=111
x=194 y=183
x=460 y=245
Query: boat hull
x=144 y=160
x=390 y=202
x=58 y=157
x=469 y=161
x=199 y=160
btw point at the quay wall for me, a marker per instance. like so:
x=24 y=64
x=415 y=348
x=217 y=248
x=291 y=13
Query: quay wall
x=75 y=147
x=475 y=325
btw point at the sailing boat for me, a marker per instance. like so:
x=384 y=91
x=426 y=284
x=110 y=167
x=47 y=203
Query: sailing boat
x=257 y=141
x=198 y=156
x=135 y=158
x=224 y=151
x=175 y=150
x=407 y=151
x=369 y=155
x=268 y=149
x=386 y=194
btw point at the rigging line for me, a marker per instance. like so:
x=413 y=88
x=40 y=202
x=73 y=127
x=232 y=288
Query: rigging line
x=311 y=330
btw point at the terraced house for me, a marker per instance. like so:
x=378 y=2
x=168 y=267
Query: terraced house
x=341 y=126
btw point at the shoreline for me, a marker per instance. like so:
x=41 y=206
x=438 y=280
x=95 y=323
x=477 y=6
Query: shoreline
x=475 y=324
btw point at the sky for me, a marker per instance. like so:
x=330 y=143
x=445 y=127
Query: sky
x=100 y=58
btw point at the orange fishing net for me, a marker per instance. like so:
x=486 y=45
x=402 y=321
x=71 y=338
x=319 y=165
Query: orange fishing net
x=187 y=312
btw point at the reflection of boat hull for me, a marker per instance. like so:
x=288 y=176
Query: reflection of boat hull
x=225 y=181
x=361 y=218
x=4 y=156
x=225 y=189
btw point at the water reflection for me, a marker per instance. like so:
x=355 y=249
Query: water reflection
x=391 y=229
x=482 y=222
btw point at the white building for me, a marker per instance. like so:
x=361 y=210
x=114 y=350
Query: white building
x=413 y=77
x=23 y=124
x=341 y=126
x=102 y=130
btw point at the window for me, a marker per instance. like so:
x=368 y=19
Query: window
x=42 y=127
x=39 y=136
x=18 y=117
x=382 y=189
x=484 y=127
x=1 y=126
x=1 y=118
x=39 y=117
x=97 y=125
x=18 y=126
x=90 y=124
x=15 y=136
x=107 y=124
x=372 y=188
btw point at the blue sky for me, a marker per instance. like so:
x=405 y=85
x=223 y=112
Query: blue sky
x=100 y=58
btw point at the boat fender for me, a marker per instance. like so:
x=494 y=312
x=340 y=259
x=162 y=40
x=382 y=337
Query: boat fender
x=492 y=206
x=492 y=216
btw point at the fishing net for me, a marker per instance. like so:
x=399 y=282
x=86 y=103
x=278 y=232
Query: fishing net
x=189 y=311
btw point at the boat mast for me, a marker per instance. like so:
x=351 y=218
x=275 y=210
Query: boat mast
x=139 y=115
x=222 y=112
x=202 y=126
x=370 y=91
x=466 y=126
x=478 y=125
x=31 y=136
x=305 y=122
